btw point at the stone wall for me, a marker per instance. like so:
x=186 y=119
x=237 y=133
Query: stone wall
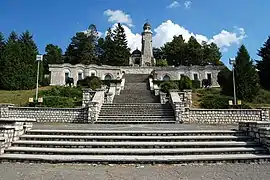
x=50 y=115
x=258 y=130
x=182 y=101
x=222 y=116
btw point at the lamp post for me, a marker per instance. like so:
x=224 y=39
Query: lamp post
x=232 y=62
x=39 y=58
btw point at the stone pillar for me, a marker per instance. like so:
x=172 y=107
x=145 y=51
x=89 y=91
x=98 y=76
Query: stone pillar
x=92 y=112
x=265 y=114
x=163 y=98
x=179 y=112
x=188 y=97
x=86 y=97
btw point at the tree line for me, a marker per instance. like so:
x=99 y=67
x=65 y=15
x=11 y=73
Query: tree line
x=249 y=77
x=18 y=52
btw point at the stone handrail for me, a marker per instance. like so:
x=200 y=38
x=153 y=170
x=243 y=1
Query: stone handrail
x=151 y=84
x=177 y=105
x=11 y=129
x=95 y=106
x=110 y=95
x=123 y=83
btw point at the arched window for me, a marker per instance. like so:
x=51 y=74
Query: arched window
x=166 y=78
x=137 y=61
x=67 y=75
x=80 y=75
x=108 y=77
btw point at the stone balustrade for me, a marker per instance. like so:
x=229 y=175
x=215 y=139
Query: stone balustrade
x=11 y=129
x=163 y=98
x=95 y=106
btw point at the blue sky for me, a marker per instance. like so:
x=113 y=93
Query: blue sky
x=228 y=23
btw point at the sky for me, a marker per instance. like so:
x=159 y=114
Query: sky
x=228 y=23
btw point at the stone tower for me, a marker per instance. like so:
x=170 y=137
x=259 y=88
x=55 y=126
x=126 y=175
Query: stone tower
x=147 y=49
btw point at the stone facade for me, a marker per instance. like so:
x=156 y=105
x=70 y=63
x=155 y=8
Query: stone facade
x=193 y=72
x=59 y=72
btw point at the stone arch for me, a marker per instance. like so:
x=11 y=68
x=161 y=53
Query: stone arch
x=166 y=77
x=108 y=76
x=137 y=61
x=67 y=75
x=92 y=73
x=80 y=74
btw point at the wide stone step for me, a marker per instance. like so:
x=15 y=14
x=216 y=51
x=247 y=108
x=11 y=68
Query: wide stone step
x=122 y=151
x=135 y=104
x=136 y=116
x=131 y=138
x=108 y=113
x=105 y=144
x=134 y=158
x=136 y=133
x=135 y=122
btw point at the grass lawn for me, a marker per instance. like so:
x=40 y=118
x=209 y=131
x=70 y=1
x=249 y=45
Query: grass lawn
x=261 y=100
x=20 y=97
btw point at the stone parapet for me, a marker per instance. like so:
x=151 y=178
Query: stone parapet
x=11 y=129
x=258 y=130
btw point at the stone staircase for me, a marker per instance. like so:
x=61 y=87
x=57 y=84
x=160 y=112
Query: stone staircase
x=136 y=113
x=136 y=104
x=155 y=146
x=136 y=90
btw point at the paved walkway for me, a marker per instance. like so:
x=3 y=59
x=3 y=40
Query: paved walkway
x=16 y=171
x=133 y=126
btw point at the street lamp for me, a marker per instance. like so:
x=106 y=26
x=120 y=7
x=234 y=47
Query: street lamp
x=39 y=58
x=232 y=62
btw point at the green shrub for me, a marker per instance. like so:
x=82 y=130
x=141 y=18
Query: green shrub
x=45 y=81
x=58 y=102
x=161 y=62
x=184 y=83
x=113 y=81
x=263 y=97
x=166 y=86
x=72 y=92
x=92 y=82
x=61 y=97
x=215 y=101
x=196 y=84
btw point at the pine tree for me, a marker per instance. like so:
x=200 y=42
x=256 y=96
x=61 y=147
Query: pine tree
x=121 y=43
x=194 y=52
x=246 y=76
x=11 y=63
x=53 y=56
x=211 y=54
x=174 y=51
x=264 y=64
x=2 y=46
x=82 y=48
x=28 y=61
x=110 y=50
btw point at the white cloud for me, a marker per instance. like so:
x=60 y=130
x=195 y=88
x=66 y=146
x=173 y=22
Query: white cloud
x=118 y=16
x=165 y=32
x=187 y=4
x=174 y=4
